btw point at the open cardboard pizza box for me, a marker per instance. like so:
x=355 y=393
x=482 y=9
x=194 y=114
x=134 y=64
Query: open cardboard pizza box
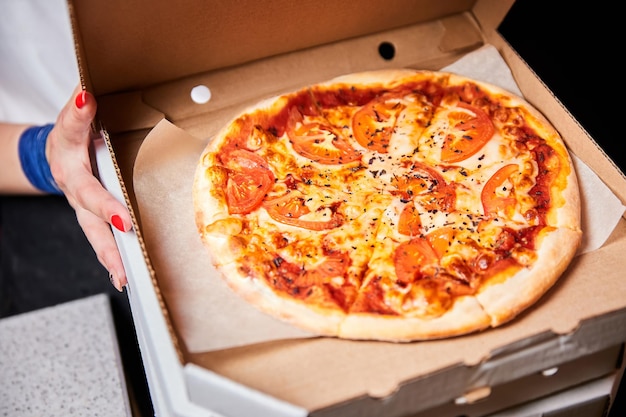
x=206 y=351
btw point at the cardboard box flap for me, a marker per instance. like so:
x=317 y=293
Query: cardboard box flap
x=437 y=41
x=127 y=45
x=127 y=112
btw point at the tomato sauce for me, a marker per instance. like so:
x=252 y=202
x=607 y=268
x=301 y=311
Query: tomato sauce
x=294 y=279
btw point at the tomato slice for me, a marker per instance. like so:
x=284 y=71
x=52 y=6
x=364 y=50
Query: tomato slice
x=375 y=122
x=410 y=186
x=440 y=239
x=249 y=180
x=334 y=264
x=494 y=203
x=319 y=142
x=409 y=223
x=288 y=209
x=468 y=134
x=428 y=186
x=410 y=257
x=245 y=190
x=242 y=159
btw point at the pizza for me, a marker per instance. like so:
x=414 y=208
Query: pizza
x=394 y=205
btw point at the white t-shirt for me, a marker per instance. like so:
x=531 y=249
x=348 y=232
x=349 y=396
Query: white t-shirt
x=38 y=67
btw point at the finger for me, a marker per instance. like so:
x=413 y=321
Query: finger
x=101 y=238
x=67 y=148
x=87 y=193
x=71 y=166
x=76 y=117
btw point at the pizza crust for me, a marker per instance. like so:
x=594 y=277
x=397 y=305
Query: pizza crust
x=308 y=317
x=503 y=301
x=386 y=77
x=466 y=316
x=568 y=211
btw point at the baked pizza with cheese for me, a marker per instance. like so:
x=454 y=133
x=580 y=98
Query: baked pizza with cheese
x=394 y=205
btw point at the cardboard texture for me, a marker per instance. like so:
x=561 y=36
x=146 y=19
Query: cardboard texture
x=192 y=288
x=142 y=74
x=156 y=42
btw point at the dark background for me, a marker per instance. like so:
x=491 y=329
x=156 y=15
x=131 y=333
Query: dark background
x=575 y=49
x=573 y=46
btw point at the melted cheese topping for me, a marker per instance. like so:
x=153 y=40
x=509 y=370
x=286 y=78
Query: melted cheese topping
x=470 y=221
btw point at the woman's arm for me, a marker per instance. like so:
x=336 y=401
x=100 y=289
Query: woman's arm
x=67 y=155
x=12 y=178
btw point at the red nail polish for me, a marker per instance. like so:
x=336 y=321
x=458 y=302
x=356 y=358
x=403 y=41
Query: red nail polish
x=81 y=99
x=117 y=222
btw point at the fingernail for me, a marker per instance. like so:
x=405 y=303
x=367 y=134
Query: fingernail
x=81 y=99
x=115 y=282
x=116 y=221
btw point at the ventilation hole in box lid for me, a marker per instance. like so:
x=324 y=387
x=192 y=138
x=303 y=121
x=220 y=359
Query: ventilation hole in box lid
x=550 y=371
x=200 y=94
x=387 y=51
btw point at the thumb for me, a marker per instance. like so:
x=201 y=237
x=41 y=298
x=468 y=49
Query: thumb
x=76 y=117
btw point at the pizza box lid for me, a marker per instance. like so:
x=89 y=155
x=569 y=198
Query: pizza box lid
x=136 y=57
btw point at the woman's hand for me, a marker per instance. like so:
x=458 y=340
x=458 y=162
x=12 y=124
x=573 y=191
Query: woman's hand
x=67 y=151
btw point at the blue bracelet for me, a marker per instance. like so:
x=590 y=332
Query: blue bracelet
x=32 y=152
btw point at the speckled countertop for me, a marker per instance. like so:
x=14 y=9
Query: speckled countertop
x=62 y=361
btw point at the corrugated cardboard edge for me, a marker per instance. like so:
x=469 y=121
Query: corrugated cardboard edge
x=149 y=116
x=142 y=245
